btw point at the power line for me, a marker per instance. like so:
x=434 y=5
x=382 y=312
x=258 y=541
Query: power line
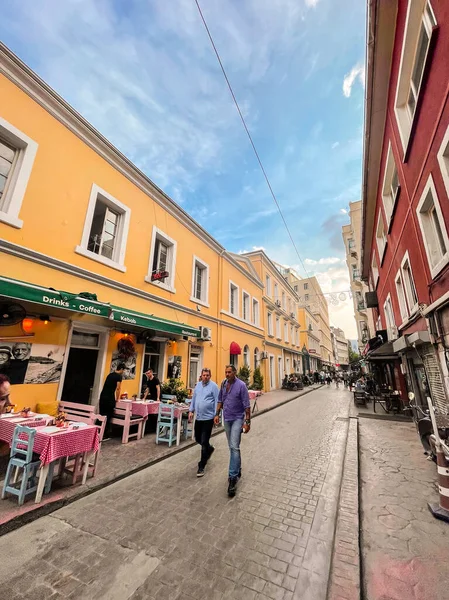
x=251 y=140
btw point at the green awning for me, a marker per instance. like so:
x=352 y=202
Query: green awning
x=19 y=290
x=83 y=303
x=136 y=319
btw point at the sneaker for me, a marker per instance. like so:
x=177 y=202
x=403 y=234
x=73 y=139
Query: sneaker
x=232 y=487
x=200 y=472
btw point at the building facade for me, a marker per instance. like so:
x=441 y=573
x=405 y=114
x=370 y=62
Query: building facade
x=282 y=352
x=99 y=265
x=340 y=347
x=405 y=242
x=352 y=236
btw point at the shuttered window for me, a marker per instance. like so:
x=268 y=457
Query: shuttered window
x=435 y=380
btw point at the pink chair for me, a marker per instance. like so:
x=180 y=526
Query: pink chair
x=81 y=413
x=75 y=468
x=124 y=418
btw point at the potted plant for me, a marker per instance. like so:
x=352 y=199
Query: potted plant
x=174 y=388
x=244 y=373
x=257 y=380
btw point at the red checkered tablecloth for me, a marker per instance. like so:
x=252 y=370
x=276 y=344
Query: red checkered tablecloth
x=143 y=409
x=67 y=442
x=253 y=394
x=8 y=424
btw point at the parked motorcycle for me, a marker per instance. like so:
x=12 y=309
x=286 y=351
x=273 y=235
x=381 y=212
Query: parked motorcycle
x=423 y=424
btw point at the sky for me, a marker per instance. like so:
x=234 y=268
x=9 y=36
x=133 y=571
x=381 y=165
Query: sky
x=144 y=74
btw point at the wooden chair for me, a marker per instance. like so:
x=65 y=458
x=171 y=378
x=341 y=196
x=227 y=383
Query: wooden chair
x=22 y=457
x=124 y=418
x=166 y=426
x=76 y=464
x=81 y=413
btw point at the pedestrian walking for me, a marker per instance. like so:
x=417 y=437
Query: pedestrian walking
x=233 y=398
x=204 y=407
x=110 y=394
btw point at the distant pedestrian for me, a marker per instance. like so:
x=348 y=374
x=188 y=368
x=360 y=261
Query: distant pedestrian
x=234 y=399
x=110 y=394
x=204 y=406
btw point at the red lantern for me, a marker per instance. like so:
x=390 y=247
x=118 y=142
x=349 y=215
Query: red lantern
x=27 y=325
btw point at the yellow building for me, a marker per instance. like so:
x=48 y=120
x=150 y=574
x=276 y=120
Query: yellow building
x=98 y=264
x=281 y=349
x=310 y=340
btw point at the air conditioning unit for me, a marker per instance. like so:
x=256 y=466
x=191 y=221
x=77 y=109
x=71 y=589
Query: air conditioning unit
x=278 y=303
x=263 y=355
x=205 y=334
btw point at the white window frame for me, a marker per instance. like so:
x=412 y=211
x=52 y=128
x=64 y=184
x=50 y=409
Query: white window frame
x=268 y=285
x=297 y=336
x=276 y=292
x=381 y=247
x=306 y=286
x=246 y=295
x=118 y=262
x=256 y=312
x=400 y=292
x=375 y=270
x=169 y=283
x=416 y=15
x=278 y=327
x=270 y=324
x=283 y=302
x=430 y=188
x=204 y=301
x=286 y=332
x=389 y=318
x=389 y=196
x=246 y=356
x=233 y=285
x=412 y=303
x=19 y=176
x=295 y=288
x=443 y=160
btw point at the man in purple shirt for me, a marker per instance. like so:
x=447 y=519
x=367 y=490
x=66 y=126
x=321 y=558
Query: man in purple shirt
x=234 y=400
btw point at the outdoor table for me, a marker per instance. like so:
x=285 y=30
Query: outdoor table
x=144 y=408
x=53 y=443
x=253 y=395
x=8 y=423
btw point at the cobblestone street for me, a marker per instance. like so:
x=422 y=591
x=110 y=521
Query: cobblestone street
x=162 y=533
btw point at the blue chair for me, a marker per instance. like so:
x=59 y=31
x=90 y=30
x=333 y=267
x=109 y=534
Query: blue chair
x=166 y=425
x=22 y=457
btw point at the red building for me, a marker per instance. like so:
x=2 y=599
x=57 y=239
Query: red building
x=405 y=222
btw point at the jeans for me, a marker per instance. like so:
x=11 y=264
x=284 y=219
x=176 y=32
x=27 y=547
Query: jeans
x=203 y=430
x=234 y=433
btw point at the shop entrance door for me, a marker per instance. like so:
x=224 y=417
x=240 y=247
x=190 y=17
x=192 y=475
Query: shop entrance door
x=81 y=367
x=151 y=360
x=280 y=373
x=195 y=365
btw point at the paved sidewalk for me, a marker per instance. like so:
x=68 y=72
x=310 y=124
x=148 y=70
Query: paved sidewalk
x=405 y=549
x=164 y=534
x=117 y=460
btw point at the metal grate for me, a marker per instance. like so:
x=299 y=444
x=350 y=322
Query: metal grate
x=435 y=381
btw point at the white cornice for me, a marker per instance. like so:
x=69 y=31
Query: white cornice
x=28 y=81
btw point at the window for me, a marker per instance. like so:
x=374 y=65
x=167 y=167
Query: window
x=391 y=186
x=200 y=282
x=276 y=291
x=306 y=286
x=17 y=154
x=381 y=238
x=256 y=358
x=401 y=296
x=389 y=319
x=351 y=243
x=297 y=336
x=283 y=300
x=374 y=271
x=278 y=328
x=355 y=273
x=285 y=332
x=234 y=360
x=409 y=285
x=433 y=229
x=443 y=159
x=255 y=312
x=295 y=287
x=163 y=261
x=415 y=52
x=105 y=230
x=270 y=324
x=267 y=285
x=246 y=356
x=292 y=334
x=233 y=299
x=245 y=307
x=306 y=297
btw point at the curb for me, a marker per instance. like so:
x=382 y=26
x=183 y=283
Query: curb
x=345 y=575
x=86 y=490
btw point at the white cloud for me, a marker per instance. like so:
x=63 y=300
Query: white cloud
x=357 y=72
x=311 y=3
x=335 y=145
x=330 y=260
x=343 y=211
